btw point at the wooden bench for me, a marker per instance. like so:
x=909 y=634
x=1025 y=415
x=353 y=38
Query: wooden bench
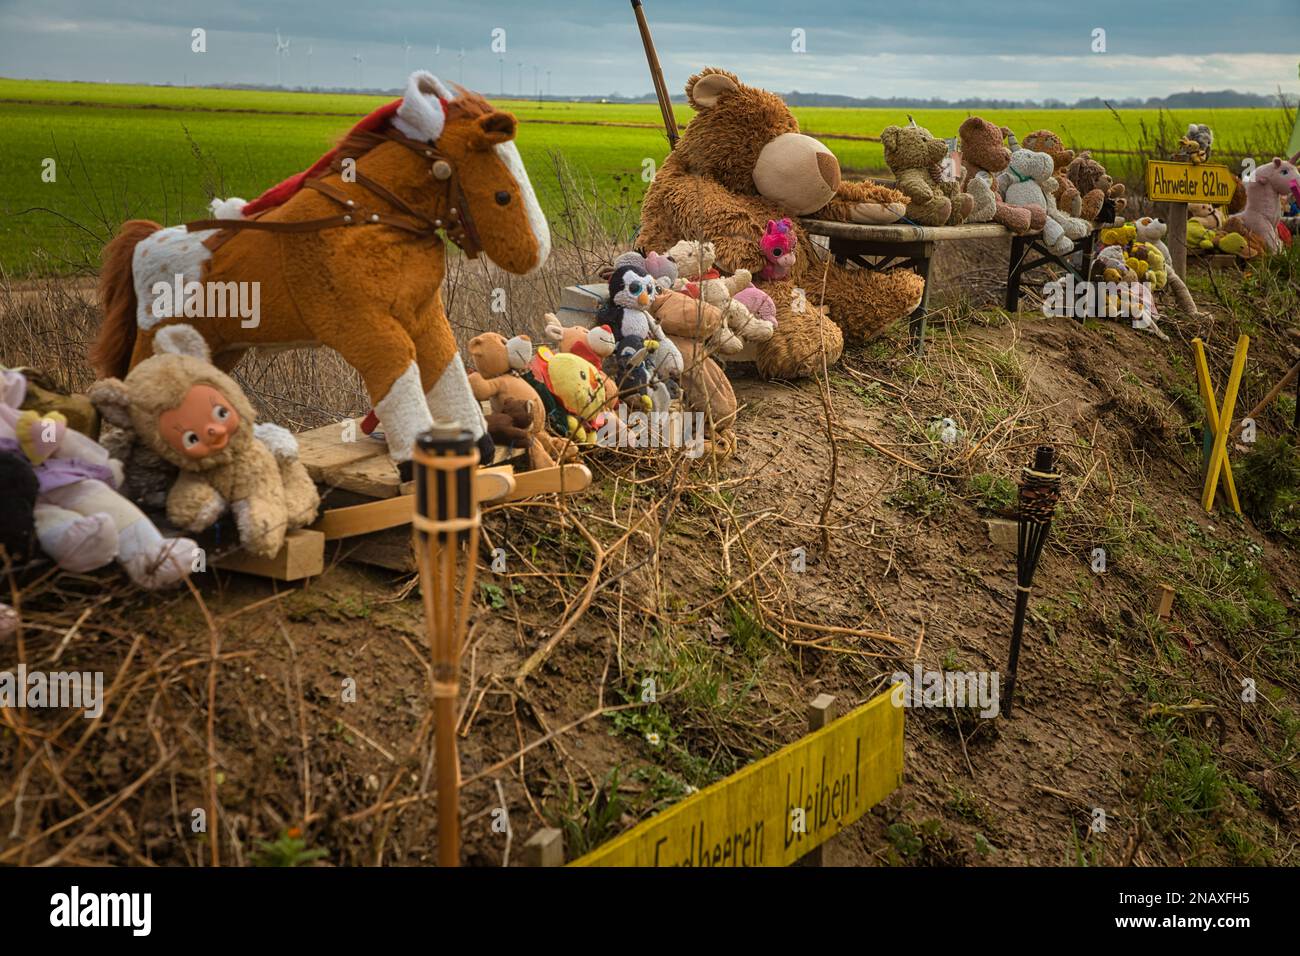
x=902 y=245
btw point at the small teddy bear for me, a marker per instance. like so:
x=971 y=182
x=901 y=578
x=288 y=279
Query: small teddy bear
x=1068 y=199
x=1095 y=186
x=984 y=157
x=195 y=417
x=1024 y=184
x=916 y=159
x=501 y=377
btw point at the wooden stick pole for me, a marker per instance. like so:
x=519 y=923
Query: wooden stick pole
x=446 y=516
x=656 y=75
x=1274 y=392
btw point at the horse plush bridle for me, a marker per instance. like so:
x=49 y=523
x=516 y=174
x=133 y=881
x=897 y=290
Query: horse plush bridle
x=458 y=225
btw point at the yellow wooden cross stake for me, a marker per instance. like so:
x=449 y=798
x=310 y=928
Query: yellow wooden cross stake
x=1220 y=425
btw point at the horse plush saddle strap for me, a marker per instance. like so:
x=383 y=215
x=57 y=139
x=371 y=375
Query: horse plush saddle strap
x=415 y=222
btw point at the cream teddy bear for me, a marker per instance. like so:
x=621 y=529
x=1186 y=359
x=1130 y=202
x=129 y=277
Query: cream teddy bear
x=194 y=416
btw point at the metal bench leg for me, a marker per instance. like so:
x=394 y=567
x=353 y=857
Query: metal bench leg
x=916 y=323
x=1019 y=249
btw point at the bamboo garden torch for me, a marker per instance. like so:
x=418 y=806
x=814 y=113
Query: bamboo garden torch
x=446 y=517
x=1040 y=487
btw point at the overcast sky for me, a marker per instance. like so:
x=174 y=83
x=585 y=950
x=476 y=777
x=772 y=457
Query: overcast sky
x=990 y=48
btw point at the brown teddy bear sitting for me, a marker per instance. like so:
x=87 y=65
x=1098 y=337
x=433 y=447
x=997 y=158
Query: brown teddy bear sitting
x=1094 y=185
x=916 y=159
x=195 y=417
x=985 y=156
x=498 y=366
x=742 y=162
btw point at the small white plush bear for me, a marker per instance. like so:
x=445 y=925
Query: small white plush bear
x=1152 y=231
x=1023 y=183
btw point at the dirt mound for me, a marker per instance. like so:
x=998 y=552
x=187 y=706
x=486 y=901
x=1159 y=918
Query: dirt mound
x=844 y=541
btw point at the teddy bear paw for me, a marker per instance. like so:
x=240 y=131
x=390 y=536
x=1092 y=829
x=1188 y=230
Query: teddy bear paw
x=876 y=214
x=162 y=566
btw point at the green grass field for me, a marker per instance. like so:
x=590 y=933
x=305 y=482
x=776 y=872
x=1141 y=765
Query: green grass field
x=159 y=152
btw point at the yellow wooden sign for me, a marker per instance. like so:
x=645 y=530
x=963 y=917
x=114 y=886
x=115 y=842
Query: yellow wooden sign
x=1189 y=182
x=777 y=809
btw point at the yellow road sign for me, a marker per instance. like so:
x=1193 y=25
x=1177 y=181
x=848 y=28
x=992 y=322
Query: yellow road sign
x=777 y=809
x=1189 y=182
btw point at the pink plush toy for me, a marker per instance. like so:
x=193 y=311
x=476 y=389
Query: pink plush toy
x=778 y=244
x=1262 y=213
x=82 y=522
x=759 y=303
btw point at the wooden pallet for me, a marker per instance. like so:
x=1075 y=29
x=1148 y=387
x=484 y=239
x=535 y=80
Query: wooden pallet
x=373 y=506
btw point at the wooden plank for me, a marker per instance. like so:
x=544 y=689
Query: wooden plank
x=903 y=232
x=302 y=556
x=323 y=450
x=390 y=549
x=562 y=479
x=491 y=484
x=777 y=809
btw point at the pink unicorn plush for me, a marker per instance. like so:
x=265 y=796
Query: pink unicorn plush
x=778 y=249
x=1262 y=212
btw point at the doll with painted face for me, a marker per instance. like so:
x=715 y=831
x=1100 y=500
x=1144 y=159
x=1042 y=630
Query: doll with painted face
x=195 y=418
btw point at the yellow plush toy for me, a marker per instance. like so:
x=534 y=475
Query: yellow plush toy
x=578 y=387
x=1118 y=235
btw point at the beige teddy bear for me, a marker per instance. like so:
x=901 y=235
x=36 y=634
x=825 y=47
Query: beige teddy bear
x=698 y=278
x=194 y=416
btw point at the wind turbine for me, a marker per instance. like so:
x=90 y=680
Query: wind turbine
x=406 y=56
x=461 y=57
x=308 y=66
x=357 y=57
x=281 y=51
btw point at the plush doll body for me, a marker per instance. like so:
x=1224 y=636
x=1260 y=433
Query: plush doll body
x=81 y=521
x=916 y=159
x=499 y=367
x=1073 y=227
x=578 y=388
x=1023 y=184
x=700 y=279
x=742 y=162
x=195 y=417
x=1068 y=199
x=1271 y=182
x=985 y=157
x=1094 y=185
x=691 y=323
x=596 y=345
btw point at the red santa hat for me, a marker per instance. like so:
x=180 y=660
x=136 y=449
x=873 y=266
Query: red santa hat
x=420 y=114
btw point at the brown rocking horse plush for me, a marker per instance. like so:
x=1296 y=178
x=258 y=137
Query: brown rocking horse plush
x=347 y=255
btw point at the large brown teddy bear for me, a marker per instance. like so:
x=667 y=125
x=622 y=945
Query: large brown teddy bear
x=742 y=162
